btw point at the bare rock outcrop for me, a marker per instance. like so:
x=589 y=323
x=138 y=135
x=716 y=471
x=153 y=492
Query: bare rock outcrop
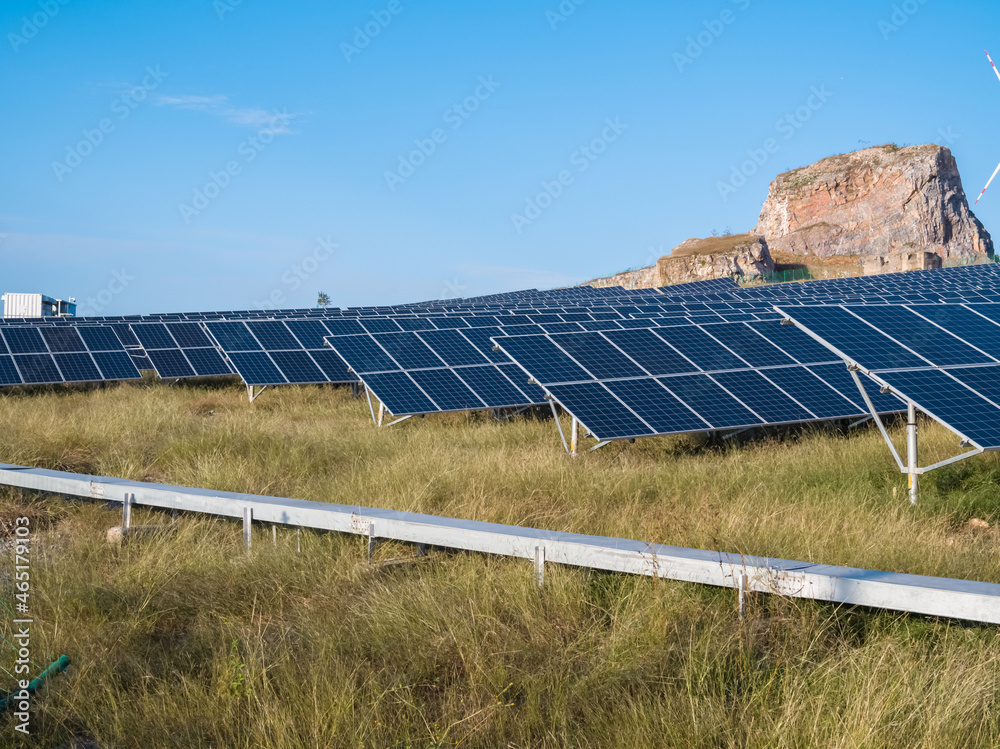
x=876 y=202
x=742 y=256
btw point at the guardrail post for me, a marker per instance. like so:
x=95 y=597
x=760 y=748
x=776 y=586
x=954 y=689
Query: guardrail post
x=247 y=525
x=127 y=511
x=539 y=566
x=741 y=586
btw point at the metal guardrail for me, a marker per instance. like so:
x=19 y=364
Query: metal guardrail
x=934 y=596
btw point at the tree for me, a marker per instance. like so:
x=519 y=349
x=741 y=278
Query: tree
x=323 y=300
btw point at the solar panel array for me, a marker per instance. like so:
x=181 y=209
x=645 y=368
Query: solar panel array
x=689 y=378
x=418 y=372
x=944 y=358
x=693 y=357
x=54 y=355
x=279 y=352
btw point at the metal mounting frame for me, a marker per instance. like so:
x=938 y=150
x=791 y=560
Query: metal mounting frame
x=910 y=468
x=253 y=391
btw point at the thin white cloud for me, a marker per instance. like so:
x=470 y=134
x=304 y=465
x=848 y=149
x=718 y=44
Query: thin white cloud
x=220 y=106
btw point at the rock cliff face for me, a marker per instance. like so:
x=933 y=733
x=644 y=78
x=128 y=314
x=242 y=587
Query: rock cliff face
x=876 y=202
x=741 y=256
x=889 y=208
x=744 y=257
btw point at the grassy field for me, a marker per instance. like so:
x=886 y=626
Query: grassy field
x=185 y=640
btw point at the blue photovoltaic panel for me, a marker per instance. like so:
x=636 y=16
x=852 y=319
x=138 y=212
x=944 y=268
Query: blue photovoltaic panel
x=599 y=411
x=752 y=348
x=650 y=351
x=334 y=367
x=99 y=338
x=63 y=340
x=982 y=333
x=37 y=369
x=272 y=335
x=8 y=372
x=399 y=393
x=797 y=344
x=952 y=403
x=125 y=335
x=153 y=336
x=414 y=323
x=710 y=401
x=189 y=335
x=984 y=380
x=116 y=365
x=813 y=393
x=408 y=350
x=170 y=363
x=233 y=336
x=543 y=359
x=700 y=348
x=140 y=360
x=207 y=362
x=515 y=374
x=446 y=390
x=448 y=323
x=597 y=355
x=3 y=344
x=375 y=325
x=492 y=387
x=24 y=341
x=480 y=338
x=363 y=353
x=770 y=403
x=310 y=333
x=77 y=367
x=452 y=347
x=256 y=368
x=298 y=367
x=838 y=377
x=854 y=338
x=344 y=327
x=658 y=408
x=929 y=341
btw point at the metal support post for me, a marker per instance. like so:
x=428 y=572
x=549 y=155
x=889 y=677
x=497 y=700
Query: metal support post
x=421 y=550
x=371 y=541
x=127 y=511
x=298 y=539
x=555 y=416
x=371 y=408
x=574 y=438
x=539 y=566
x=274 y=535
x=247 y=524
x=381 y=413
x=911 y=451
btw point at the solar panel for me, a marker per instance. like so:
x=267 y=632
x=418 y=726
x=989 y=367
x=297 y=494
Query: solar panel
x=933 y=374
x=633 y=383
x=279 y=352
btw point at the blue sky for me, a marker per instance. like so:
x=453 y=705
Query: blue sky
x=204 y=154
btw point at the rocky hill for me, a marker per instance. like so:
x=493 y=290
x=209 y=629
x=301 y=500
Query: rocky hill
x=879 y=209
x=875 y=202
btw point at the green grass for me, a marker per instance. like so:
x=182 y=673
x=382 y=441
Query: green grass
x=184 y=640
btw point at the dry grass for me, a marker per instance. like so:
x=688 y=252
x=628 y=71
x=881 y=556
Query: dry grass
x=713 y=245
x=184 y=640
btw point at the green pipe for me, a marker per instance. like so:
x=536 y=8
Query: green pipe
x=56 y=667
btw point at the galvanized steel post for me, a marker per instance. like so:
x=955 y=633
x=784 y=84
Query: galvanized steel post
x=911 y=450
